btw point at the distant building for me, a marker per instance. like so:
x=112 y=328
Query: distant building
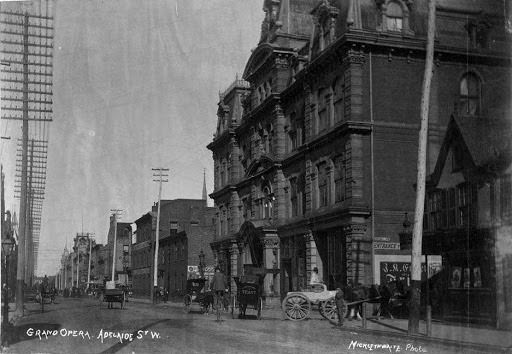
x=186 y=228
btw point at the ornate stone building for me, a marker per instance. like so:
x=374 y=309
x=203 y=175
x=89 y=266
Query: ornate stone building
x=315 y=150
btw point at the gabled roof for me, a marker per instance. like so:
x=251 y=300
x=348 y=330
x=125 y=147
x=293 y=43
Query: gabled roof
x=485 y=140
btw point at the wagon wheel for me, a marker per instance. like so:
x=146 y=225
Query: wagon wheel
x=329 y=310
x=260 y=306
x=233 y=305
x=187 y=301
x=296 y=307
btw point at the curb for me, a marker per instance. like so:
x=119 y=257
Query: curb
x=428 y=340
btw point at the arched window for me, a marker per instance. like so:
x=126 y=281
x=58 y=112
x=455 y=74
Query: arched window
x=394 y=17
x=469 y=99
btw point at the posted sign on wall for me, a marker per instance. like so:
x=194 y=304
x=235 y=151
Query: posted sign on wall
x=401 y=271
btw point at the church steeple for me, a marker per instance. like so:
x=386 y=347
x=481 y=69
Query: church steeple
x=204 y=186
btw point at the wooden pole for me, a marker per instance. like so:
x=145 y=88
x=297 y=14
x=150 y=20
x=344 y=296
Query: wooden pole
x=414 y=309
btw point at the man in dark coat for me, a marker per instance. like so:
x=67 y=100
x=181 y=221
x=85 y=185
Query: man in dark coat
x=341 y=306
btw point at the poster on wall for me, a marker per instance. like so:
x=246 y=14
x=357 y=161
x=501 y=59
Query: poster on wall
x=467 y=278
x=477 y=277
x=455 y=277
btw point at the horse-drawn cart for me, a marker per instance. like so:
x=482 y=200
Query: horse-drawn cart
x=249 y=289
x=297 y=304
x=113 y=295
x=195 y=294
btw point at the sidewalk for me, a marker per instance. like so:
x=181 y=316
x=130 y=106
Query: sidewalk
x=485 y=339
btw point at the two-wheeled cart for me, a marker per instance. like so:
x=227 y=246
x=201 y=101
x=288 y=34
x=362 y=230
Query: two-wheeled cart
x=113 y=295
x=248 y=294
x=195 y=294
x=297 y=305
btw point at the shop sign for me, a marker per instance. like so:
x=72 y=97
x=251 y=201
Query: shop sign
x=386 y=245
x=383 y=239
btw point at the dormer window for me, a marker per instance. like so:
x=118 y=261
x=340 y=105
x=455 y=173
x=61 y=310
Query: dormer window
x=395 y=16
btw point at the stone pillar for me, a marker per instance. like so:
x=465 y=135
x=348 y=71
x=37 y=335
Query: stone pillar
x=233 y=263
x=309 y=187
x=279 y=207
x=312 y=257
x=271 y=259
x=235 y=160
x=279 y=138
x=234 y=210
x=358 y=253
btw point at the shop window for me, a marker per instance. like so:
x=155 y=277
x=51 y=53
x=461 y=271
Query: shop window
x=469 y=95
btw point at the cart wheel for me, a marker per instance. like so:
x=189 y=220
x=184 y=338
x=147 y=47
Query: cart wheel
x=260 y=306
x=329 y=310
x=296 y=307
x=187 y=300
x=233 y=305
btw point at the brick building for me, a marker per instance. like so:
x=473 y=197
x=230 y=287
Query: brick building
x=186 y=228
x=315 y=150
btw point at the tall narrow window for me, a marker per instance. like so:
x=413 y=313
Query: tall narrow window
x=469 y=95
x=293 y=197
x=323 y=185
x=323 y=117
x=505 y=196
x=339 y=179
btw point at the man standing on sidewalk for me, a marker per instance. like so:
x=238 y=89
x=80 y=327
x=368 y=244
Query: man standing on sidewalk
x=341 y=306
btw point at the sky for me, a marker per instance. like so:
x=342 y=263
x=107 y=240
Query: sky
x=136 y=87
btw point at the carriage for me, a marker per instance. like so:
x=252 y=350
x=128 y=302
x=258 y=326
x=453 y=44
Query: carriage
x=249 y=289
x=297 y=305
x=195 y=294
x=112 y=294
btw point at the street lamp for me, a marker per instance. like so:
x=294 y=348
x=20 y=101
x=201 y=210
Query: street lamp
x=201 y=264
x=7 y=248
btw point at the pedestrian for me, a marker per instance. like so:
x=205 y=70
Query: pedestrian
x=219 y=284
x=166 y=295
x=341 y=306
x=315 y=278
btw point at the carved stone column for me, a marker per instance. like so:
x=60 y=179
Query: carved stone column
x=358 y=253
x=234 y=254
x=271 y=261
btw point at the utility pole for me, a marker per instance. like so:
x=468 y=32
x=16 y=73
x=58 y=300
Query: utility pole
x=159 y=173
x=90 y=256
x=414 y=308
x=26 y=99
x=116 y=212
